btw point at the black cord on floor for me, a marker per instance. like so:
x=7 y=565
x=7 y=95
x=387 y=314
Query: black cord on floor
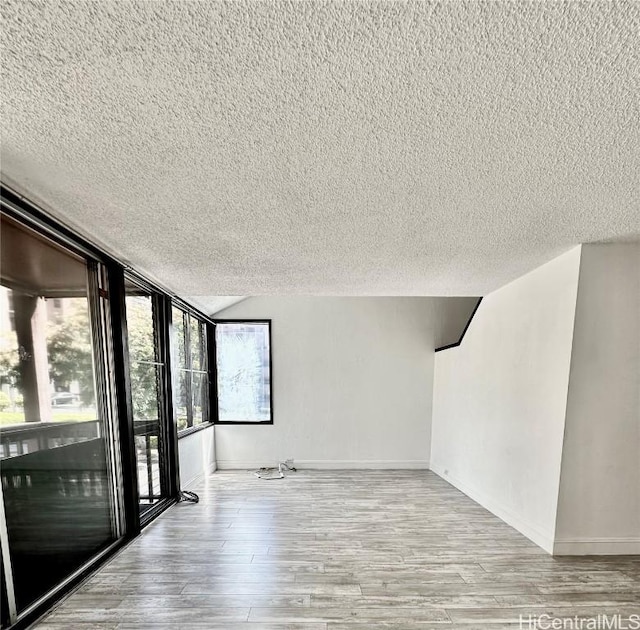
x=187 y=497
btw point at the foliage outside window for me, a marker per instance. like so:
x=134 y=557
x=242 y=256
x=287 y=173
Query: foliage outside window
x=191 y=378
x=66 y=351
x=145 y=370
x=144 y=364
x=243 y=366
x=46 y=352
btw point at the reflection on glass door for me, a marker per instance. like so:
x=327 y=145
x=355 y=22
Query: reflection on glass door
x=58 y=466
x=146 y=369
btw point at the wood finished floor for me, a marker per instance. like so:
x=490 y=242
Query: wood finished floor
x=329 y=550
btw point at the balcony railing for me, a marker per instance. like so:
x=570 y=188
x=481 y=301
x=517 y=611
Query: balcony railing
x=29 y=437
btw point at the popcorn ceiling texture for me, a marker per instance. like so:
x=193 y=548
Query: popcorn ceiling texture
x=212 y=304
x=381 y=148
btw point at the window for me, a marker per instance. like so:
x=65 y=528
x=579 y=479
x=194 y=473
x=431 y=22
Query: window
x=191 y=377
x=87 y=440
x=243 y=366
x=146 y=372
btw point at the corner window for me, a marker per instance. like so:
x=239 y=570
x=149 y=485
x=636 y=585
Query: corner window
x=191 y=377
x=243 y=371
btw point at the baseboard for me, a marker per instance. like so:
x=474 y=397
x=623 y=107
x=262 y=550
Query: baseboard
x=532 y=532
x=597 y=547
x=331 y=464
x=199 y=478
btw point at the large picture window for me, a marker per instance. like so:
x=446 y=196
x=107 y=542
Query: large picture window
x=243 y=367
x=191 y=376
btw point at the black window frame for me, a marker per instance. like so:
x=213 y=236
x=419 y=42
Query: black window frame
x=167 y=449
x=22 y=209
x=207 y=409
x=213 y=356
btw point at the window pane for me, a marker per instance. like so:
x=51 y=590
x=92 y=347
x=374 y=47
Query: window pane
x=144 y=366
x=243 y=367
x=146 y=371
x=149 y=486
x=190 y=378
x=183 y=400
x=197 y=344
x=198 y=381
x=181 y=394
x=46 y=359
x=178 y=338
x=56 y=476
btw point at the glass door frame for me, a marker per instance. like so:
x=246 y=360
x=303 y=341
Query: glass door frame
x=167 y=438
x=101 y=324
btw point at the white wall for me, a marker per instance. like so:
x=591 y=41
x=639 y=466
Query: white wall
x=196 y=456
x=352 y=384
x=599 y=504
x=500 y=399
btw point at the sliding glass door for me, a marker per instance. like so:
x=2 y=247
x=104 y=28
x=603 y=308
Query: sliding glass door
x=148 y=378
x=59 y=463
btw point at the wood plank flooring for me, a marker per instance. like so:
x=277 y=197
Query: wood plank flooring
x=330 y=550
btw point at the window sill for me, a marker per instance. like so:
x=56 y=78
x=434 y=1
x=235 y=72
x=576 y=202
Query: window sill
x=191 y=430
x=261 y=422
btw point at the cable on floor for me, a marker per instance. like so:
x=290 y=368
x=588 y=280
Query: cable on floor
x=185 y=496
x=271 y=473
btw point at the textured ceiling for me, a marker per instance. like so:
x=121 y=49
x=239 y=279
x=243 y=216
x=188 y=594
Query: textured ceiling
x=431 y=148
x=211 y=304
